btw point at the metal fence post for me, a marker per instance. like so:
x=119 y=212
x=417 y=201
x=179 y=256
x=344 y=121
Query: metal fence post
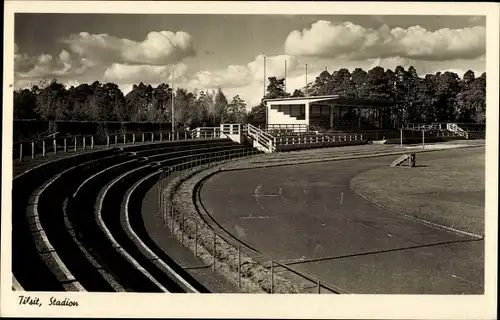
x=177 y=135
x=116 y=139
x=65 y=145
x=182 y=228
x=196 y=239
x=84 y=147
x=91 y=142
x=239 y=266
x=54 y=145
x=107 y=141
x=74 y=145
x=32 y=149
x=152 y=137
x=423 y=139
x=44 y=153
x=124 y=138
x=142 y=137
x=21 y=152
x=161 y=136
x=213 y=252
x=133 y=138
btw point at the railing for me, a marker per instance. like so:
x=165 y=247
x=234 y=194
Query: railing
x=224 y=130
x=263 y=138
x=435 y=126
x=231 y=128
x=318 y=139
x=215 y=246
x=424 y=126
x=439 y=127
x=472 y=127
x=56 y=145
x=453 y=127
x=276 y=128
x=205 y=132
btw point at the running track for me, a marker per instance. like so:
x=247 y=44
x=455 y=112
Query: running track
x=307 y=215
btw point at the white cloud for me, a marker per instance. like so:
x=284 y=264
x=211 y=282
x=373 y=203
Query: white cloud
x=158 y=48
x=245 y=80
x=348 y=40
x=253 y=92
x=93 y=57
x=237 y=76
x=32 y=69
x=121 y=73
x=125 y=62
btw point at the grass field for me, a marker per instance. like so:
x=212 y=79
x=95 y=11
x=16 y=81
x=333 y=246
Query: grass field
x=447 y=191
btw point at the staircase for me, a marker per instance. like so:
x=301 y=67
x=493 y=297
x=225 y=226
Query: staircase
x=404 y=160
x=260 y=139
x=467 y=131
x=453 y=127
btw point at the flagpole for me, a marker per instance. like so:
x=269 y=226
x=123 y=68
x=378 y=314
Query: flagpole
x=264 y=96
x=285 y=76
x=264 y=76
x=173 y=120
x=307 y=91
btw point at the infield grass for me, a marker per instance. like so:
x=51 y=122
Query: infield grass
x=448 y=191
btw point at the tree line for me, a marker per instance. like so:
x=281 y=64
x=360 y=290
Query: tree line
x=98 y=101
x=439 y=97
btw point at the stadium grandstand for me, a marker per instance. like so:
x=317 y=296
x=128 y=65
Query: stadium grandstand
x=330 y=113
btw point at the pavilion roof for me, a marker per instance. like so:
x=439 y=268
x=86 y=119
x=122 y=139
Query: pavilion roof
x=336 y=99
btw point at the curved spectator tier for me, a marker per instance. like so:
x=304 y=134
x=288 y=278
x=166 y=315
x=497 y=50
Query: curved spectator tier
x=80 y=228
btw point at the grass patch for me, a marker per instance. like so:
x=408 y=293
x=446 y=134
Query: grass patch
x=449 y=192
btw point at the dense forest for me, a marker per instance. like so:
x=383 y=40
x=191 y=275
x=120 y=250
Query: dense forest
x=436 y=97
x=106 y=102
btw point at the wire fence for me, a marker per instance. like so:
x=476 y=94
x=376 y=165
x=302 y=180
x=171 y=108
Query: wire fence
x=195 y=229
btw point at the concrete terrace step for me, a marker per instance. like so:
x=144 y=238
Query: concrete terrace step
x=31 y=174
x=113 y=225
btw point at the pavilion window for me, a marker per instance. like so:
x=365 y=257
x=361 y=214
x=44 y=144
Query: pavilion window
x=302 y=112
x=325 y=110
x=315 y=110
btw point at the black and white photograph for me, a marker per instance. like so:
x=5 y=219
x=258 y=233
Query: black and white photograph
x=212 y=153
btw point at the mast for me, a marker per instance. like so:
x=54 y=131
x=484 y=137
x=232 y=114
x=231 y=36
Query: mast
x=307 y=91
x=285 y=75
x=264 y=77
x=173 y=119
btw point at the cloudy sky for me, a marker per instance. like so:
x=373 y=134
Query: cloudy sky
x=226 y=51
